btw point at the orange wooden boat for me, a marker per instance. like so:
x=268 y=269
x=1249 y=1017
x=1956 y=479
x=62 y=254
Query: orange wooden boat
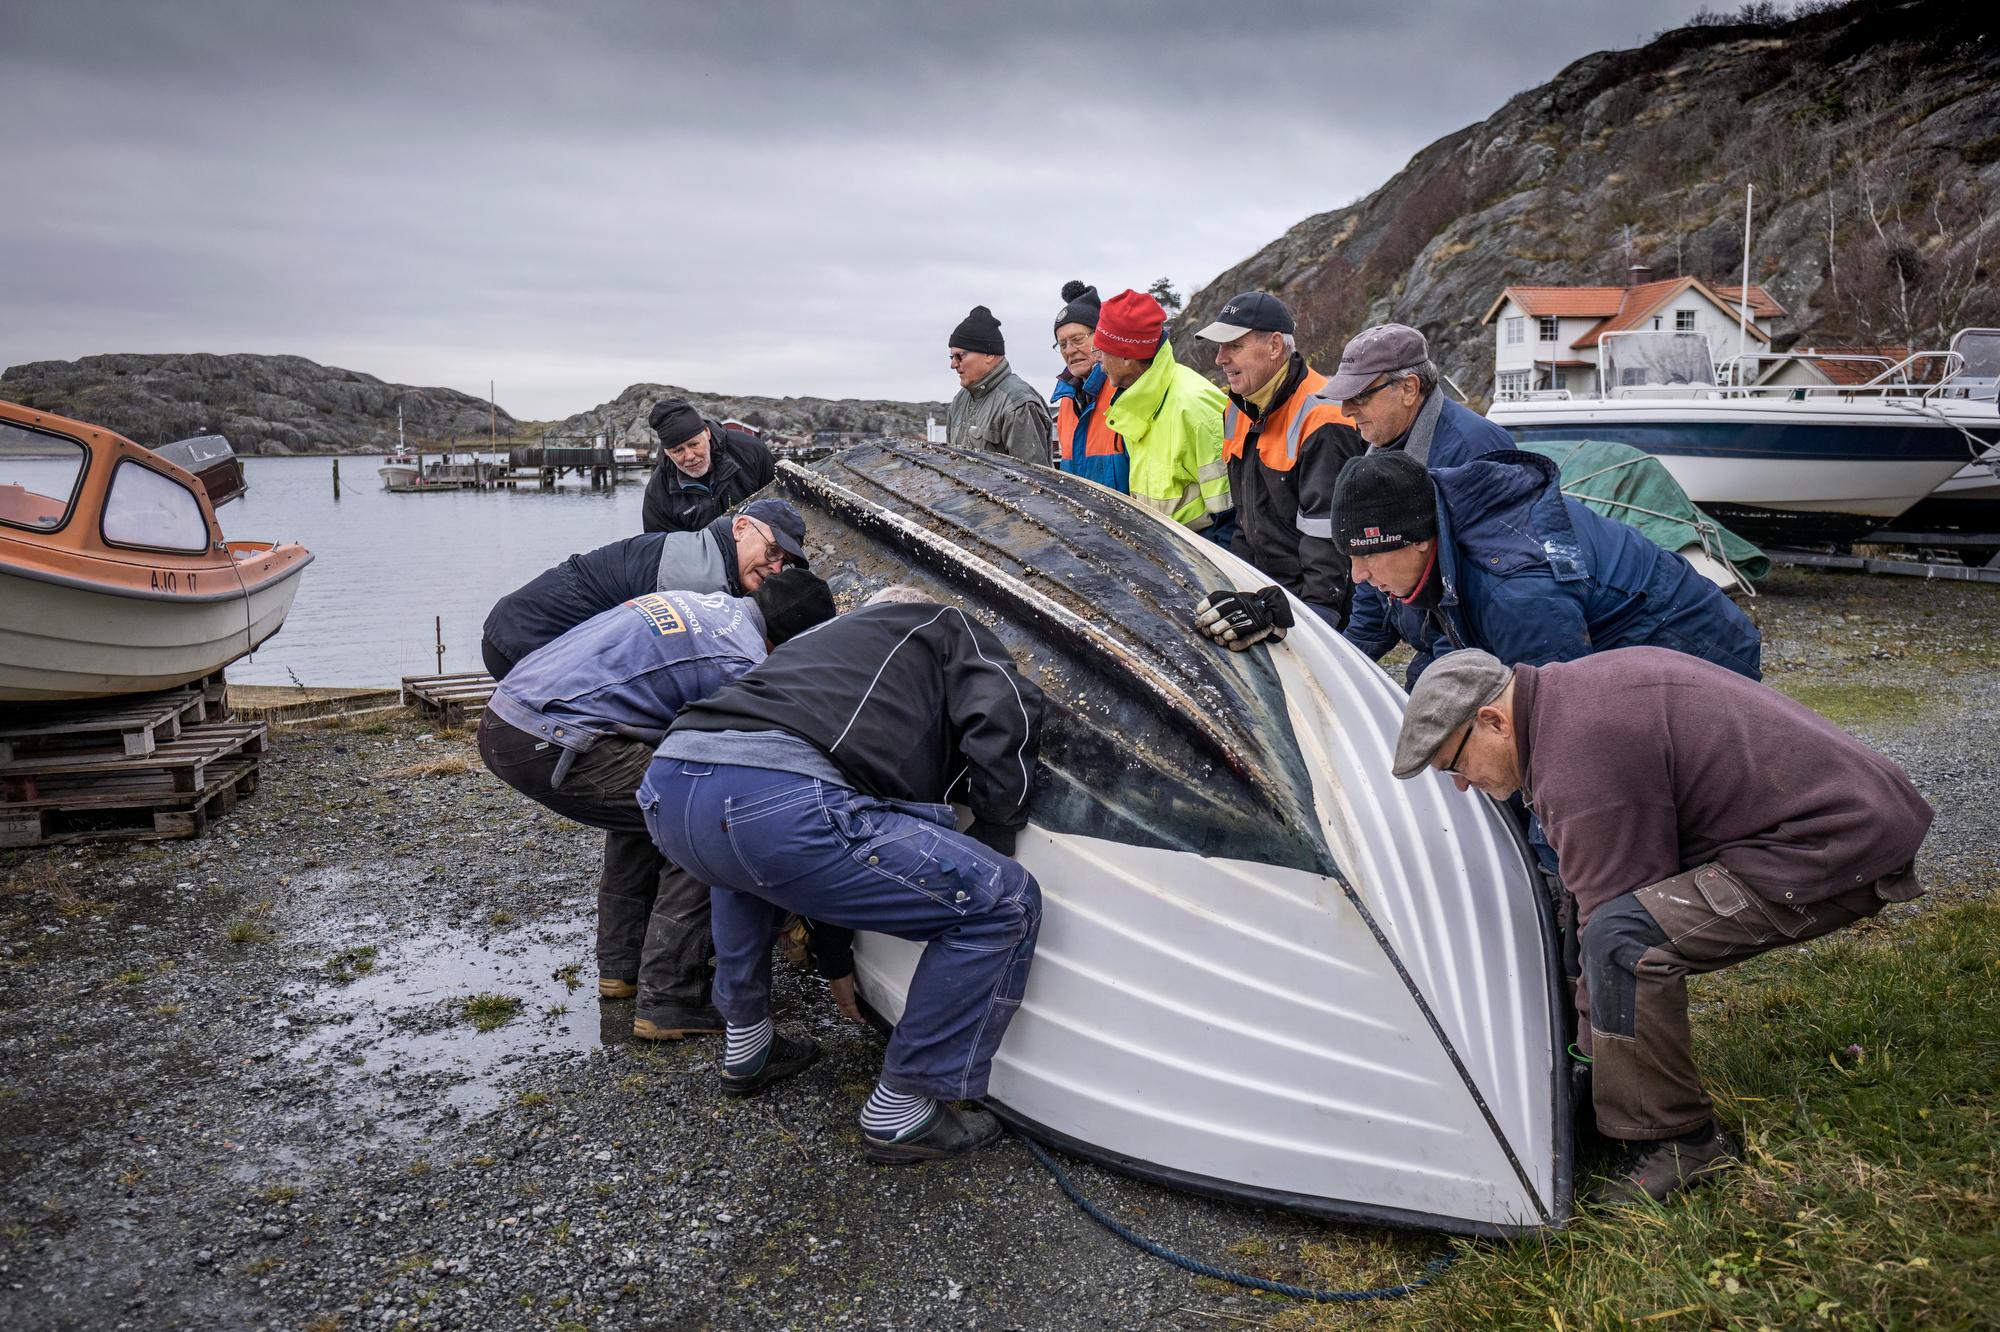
x=114 y=576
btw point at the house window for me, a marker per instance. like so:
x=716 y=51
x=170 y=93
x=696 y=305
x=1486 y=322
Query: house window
x=1516 y=330
x=1512 y=383
x=1548 y=329
x=1683 y=321
x=1561 y=379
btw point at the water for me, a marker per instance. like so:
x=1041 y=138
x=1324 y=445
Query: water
x=387 y=564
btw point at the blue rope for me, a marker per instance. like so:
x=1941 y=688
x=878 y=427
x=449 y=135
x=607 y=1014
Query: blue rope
x=1436 y=1266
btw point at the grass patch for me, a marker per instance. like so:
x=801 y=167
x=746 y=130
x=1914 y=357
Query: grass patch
x=500 y=918
x=569 y=975
x=1867 y=1197
x=529 y=1100
x=349 y=963
x=448 y=765
x=487 y=1011
x=248 y=928
x=1849 y=705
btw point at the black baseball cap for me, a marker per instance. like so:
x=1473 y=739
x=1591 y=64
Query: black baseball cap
x=787 y=528
x=1249 y=312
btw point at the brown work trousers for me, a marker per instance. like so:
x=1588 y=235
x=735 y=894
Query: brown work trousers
x=1639 y=950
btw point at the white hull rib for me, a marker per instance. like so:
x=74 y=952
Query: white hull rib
x=1384 y=1050
x=59 y=641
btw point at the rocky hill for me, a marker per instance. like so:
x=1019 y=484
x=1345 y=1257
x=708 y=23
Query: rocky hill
x=1871 y=131
x=262 y=404
x=622 y=421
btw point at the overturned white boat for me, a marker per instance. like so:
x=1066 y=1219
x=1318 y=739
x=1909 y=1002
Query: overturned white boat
x=1267 y=969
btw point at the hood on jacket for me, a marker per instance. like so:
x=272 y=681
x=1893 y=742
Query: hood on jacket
x=1511 y=492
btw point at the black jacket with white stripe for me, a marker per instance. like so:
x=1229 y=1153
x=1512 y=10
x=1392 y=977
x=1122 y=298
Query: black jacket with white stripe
x=912 y=701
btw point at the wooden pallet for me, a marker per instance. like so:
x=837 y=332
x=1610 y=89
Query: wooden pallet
x=449 y=698
x=138 y=722
x=184 y=759
x=130 y=807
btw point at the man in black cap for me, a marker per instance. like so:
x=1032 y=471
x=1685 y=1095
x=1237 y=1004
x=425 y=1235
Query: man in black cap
x=1285 y=442
x=573 y=728
x=996 y=411
x=706 y=469
x=1085 y=445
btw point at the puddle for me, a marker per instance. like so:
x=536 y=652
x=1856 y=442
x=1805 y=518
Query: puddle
x=400 y=1022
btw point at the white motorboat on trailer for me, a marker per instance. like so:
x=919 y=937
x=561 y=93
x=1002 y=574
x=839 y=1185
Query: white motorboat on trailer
x=1267 y=969
x=1773 y=461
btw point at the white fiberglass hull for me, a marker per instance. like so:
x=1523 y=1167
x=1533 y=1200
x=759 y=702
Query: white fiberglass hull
x=1240 y=1028
x=61 y=640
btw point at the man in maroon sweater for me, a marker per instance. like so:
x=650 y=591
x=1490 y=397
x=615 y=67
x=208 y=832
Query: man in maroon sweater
x=1701 y=819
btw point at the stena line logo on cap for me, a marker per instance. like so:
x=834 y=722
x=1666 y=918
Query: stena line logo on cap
x=1371 y=531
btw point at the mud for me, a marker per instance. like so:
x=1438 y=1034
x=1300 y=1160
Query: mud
x=239 y=1086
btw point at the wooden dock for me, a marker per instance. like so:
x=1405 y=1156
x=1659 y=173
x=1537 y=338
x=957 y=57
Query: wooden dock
x=450 y=699
x=142 y=767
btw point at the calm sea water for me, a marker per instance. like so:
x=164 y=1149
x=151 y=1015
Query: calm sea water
x=386 y=565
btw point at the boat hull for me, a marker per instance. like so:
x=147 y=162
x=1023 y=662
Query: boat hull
x=1774 y=470
x=1267 y=970
x=60 y=640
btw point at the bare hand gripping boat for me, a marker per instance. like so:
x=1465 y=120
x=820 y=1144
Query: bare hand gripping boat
x=115 y=577
x=1267 y=969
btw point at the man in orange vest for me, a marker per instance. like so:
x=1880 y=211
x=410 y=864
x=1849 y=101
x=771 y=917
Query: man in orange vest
x=1085 y=445
x=1286 y=442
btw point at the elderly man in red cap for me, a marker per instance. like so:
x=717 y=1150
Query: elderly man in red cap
x=1168 y=415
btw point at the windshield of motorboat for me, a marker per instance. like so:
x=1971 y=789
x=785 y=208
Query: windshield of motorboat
x=1646 y=365
x=1979 y=349
x=39 y=473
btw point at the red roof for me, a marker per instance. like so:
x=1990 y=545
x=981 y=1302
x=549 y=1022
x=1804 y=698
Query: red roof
x=1623 y=308
x=1854 y=372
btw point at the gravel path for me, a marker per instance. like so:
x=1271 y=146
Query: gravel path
x=237 y=1088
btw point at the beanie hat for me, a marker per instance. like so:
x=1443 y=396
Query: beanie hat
x=1384 y=500
x=1131 y=325
x=979 y=332
x=675 y=420
x=793 y=602
x=1081 y=305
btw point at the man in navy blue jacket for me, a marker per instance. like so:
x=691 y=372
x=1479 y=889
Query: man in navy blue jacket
x=1493 y=555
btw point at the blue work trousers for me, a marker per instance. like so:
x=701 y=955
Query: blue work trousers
x=769 y=842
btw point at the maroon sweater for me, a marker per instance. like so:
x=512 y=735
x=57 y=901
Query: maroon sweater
x=1644 y=762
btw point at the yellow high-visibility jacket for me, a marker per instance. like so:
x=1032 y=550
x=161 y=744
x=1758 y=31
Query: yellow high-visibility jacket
x=1171 y=421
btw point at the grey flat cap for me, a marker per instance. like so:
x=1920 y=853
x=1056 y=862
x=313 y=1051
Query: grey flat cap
x=1456 y=686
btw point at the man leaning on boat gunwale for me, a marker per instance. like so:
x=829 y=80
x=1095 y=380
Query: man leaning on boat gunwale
x=1702 y=819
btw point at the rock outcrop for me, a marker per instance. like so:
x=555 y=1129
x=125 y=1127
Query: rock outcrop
x=262 y=404
x=1871 y=131
x=622 y=421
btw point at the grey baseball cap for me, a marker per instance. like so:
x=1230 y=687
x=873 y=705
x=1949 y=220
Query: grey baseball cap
x=1447 y=695
x=1376 y=351
x=787 y=528
x=1249 y=312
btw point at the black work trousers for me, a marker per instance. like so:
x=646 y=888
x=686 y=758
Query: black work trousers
x=652 y=917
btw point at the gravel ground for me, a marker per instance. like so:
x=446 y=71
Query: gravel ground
x=238 y=1089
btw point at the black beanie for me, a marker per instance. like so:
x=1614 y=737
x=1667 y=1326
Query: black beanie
x=793 y=602
x=1384 y=500
x=1082 y=305
x=675 y=420
x=979 y=332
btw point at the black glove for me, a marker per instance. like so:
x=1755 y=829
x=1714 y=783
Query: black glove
x=1240 y=619
x=993 y=836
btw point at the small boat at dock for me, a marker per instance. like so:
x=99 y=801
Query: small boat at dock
x=115 y=577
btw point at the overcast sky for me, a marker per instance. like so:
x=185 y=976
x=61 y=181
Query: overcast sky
x=803 y=198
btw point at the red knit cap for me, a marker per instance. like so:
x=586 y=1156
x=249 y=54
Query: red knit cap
x=1131 y=325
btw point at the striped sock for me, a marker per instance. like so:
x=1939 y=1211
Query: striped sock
x=890 y=1114
x=743 y=1047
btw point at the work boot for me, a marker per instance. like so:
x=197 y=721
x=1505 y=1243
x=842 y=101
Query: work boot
x=671 y=1024
x=1658 y=1170
x=783 y=1057
x=608 y=988
x=946 y=1134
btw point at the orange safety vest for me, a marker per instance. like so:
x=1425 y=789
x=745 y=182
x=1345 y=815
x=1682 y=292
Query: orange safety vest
x=1288 y=422
x=1099 y=441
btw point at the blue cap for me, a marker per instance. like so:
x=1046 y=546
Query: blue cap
x=1249 y=312
x=787 y=528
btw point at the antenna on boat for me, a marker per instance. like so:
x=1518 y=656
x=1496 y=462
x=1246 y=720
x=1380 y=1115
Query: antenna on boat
x=401 y=447
x=1743 y=294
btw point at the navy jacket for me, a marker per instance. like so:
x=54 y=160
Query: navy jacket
x=1534 y=577
x=1463 y=436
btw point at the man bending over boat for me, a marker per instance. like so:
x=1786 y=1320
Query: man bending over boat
x=1702 y=819
x=731 y=554
x=573 y=727
x=816 y=784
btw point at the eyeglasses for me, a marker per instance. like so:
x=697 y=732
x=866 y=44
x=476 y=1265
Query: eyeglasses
x=1368 y=393
x=1075 y=343
x=1457 y=754
x=773 y=552
x=956 y=357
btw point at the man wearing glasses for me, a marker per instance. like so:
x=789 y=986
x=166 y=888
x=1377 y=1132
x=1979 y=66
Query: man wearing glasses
x=705 y=468
x=996 y=411
x=1085 y=444
x=1702 y=819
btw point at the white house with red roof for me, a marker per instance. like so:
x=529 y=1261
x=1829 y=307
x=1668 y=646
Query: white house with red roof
x=1548 y=337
